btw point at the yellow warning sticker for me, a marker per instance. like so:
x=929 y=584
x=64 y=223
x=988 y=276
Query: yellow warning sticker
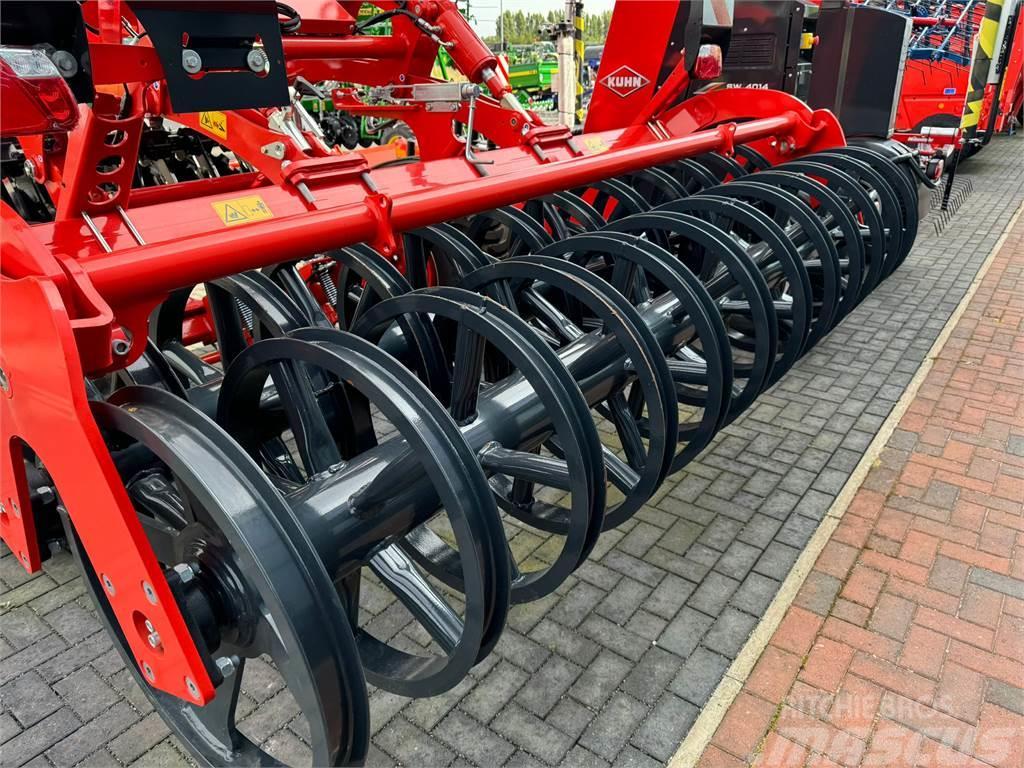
x=595 y=144
x=242 y=210
x=215 y=122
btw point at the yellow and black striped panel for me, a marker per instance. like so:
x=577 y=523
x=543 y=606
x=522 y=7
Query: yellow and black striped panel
x=985 y=52
x=577 y=19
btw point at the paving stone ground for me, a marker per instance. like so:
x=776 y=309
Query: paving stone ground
x=905 y=645
x=613 y=669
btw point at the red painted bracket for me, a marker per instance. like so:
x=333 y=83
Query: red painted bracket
x=101 y=157
x=728 y=134
x=323 y=170
x=44 y=407
x=384 y=242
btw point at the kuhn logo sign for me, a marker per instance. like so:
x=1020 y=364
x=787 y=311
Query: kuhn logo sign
x=624 y=81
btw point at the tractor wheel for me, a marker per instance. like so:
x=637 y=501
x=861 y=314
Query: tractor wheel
x=397 y=132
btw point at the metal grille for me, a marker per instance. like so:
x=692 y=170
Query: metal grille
x=751 y=51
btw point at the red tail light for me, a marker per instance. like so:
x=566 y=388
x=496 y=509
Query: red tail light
x=709 y=63
x=33 y=96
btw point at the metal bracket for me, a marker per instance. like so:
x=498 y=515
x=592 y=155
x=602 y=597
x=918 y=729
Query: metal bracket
x=379 y=205
x=274 y=149
x=728 y=134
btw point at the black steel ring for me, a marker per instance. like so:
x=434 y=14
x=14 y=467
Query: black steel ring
x=801 y=308
x=904 y=188
x=722 y=167
x=694 y=176
x=316 y=653
x=648 y=363
x=613 y=199
x=527 y=234
x=784 y=205
x=861 y=206
x=564 y=407
x=753 y=160
x=578 y=214
x=902 y=202
x=459 y=255
x=740 y=273
x=655 y=185
x=418 y=344
x=696 y=305
x=449 y=464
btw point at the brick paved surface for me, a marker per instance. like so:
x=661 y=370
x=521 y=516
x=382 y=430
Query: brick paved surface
x=614 y=667
x=905 y=646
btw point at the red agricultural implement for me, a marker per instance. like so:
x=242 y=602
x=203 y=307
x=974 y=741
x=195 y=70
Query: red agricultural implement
x=962 y=76
x=261 y=400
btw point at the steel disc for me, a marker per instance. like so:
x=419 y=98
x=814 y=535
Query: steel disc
x=860 y=204
x=777 y=259
x=691 y=238
x=642 y=271
x=774 y=195
x=484 y=327
x=644 y=467
x=436 y=455
x=884 y=197
x=231 y=523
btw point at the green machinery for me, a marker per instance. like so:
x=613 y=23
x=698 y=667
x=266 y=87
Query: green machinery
x=534 y=78
x=532 y=71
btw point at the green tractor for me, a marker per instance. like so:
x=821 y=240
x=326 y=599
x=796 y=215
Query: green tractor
x=532 y=70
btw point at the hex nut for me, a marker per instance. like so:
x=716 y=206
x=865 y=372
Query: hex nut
x=185 y=572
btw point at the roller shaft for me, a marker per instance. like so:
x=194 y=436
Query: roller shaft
x=510 y=413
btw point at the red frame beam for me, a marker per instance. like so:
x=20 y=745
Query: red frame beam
x=153 y=270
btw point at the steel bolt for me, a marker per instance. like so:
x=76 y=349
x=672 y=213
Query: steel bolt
x=5 y=383
x=185 y=572
x=154 y=640
x=120 y=347
x=226 y=665
x=193 y=689
x=191 y=61
x=148 y=671
x=257 y=60
x=108 y=585
x=150 y=592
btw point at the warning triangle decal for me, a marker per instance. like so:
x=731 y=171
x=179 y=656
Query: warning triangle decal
x=233 y=214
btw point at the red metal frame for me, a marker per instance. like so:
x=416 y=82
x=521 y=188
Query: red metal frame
x=66 y=294
x=638 y=46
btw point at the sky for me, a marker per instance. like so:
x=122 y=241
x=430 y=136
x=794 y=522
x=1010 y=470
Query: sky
x=486 y=11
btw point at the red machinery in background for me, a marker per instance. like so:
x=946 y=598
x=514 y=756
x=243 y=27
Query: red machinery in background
x=962 y=73
x=485 y=307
